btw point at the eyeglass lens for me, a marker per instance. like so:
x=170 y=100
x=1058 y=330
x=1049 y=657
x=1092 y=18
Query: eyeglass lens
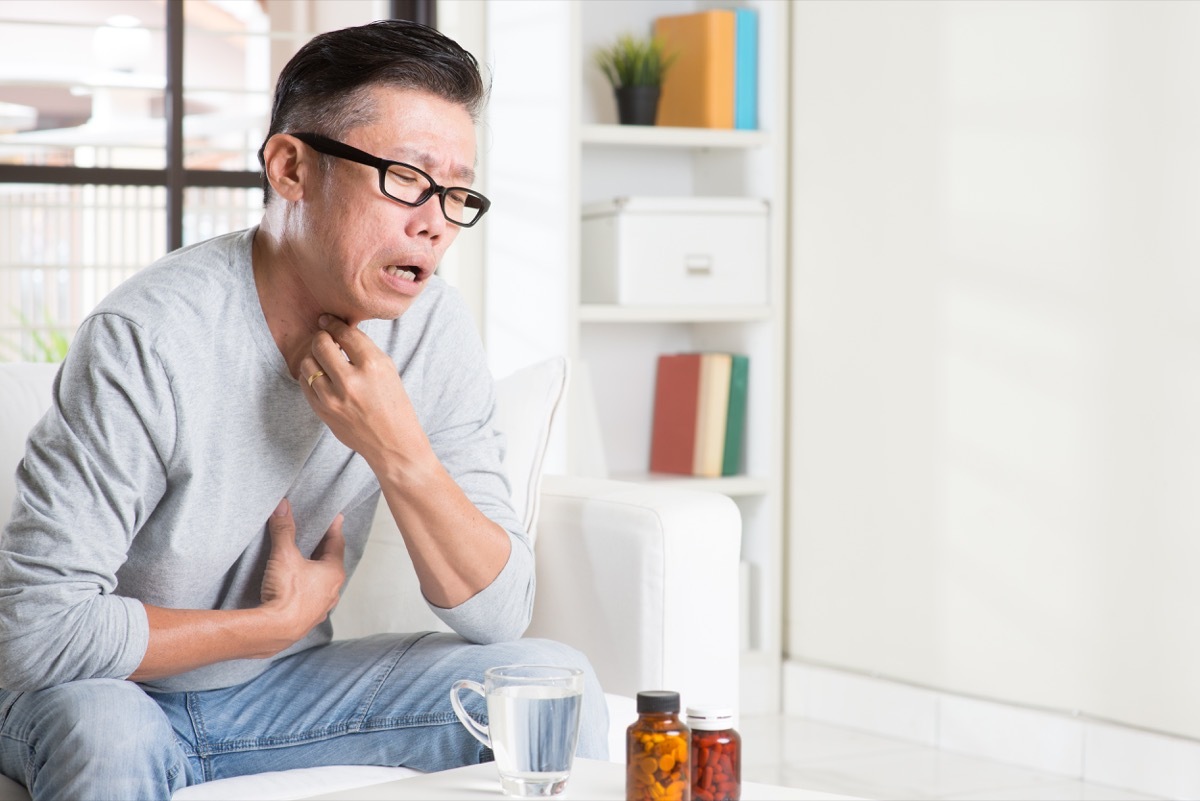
x=459 y=205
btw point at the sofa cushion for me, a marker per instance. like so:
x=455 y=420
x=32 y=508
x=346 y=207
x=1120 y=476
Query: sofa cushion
x=26 y=389
x=526 y=404
x=384 y=594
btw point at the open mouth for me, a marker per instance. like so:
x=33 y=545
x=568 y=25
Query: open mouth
x=407 y=273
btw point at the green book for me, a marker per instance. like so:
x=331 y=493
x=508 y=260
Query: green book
x=735 y=420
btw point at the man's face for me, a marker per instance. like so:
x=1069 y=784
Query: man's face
x=367 y=256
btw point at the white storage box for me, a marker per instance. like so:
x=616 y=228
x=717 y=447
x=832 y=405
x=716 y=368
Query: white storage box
x=675 y=251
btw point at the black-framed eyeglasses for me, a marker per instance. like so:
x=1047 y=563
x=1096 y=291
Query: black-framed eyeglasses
x=405 y=183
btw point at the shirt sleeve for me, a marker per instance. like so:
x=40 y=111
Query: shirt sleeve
x=93 y=471
x=462 y=399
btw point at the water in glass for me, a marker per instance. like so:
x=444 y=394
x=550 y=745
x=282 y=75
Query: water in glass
x=534 y=731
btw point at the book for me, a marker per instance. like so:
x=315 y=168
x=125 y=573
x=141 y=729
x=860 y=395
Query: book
x=712 y=409
x=673 y=428
x=735 y=422
x=745 y=69
x=697 y=90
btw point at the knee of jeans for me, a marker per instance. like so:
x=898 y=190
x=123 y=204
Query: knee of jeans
x=101 y=716
x=595 y=718
x=550 y=652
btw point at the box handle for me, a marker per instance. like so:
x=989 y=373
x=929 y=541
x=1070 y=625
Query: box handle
x=698 y=263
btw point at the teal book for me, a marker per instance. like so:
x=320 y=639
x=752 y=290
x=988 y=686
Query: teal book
x=745 y=69
x=735 y=419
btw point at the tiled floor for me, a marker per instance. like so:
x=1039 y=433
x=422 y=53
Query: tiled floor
x=816 y=756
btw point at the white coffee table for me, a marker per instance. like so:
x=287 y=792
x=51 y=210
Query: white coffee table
x=591 y=780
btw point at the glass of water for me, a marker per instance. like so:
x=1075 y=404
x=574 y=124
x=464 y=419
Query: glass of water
x=533 y=724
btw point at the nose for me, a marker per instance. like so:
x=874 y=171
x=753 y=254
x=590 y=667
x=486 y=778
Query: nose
x=427 y=219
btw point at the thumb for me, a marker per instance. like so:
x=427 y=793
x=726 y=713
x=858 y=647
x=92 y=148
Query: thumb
x=282 y=527
x=332 y=546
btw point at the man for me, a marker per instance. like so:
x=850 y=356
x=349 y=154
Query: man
x=222 y=430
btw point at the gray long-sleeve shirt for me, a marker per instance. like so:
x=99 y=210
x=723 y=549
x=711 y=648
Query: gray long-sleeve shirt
x=176 y=429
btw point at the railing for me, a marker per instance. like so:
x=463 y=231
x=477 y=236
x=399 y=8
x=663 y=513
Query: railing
x=64 y=247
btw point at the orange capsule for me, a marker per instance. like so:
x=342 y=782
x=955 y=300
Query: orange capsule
x=657 y=751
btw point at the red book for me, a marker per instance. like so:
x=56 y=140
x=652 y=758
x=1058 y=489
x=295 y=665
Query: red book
x=676 y=397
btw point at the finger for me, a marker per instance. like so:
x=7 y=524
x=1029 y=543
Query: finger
x=332 y=547
x=311 y=373
x=353 y=342
x=282 y=527
x=328 y=353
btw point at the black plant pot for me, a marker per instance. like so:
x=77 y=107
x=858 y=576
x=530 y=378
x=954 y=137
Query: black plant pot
x=637 y=105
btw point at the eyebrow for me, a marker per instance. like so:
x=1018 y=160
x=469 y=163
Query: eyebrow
x=423 y=160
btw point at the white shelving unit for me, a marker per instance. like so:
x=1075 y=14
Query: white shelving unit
x=619 y=345
x=601 y=313
x=643 y=136
x=552 y=145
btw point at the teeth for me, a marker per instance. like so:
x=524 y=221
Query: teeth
x=402 y=272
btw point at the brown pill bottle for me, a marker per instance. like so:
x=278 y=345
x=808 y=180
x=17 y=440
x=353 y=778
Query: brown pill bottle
x=716 y=754
x=656 y=751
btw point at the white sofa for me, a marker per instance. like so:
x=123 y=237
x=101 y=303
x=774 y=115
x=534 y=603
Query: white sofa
x=641 y=578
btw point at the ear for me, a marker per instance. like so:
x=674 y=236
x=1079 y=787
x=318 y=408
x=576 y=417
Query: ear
x=288 y=164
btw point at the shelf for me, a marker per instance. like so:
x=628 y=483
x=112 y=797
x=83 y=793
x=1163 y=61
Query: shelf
x=758 y=657
x=620 y=342
x=726 y=485
x=654 y=136
x=607 y=313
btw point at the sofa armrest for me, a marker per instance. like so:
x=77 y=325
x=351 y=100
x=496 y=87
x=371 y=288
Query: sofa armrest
x=644 y=580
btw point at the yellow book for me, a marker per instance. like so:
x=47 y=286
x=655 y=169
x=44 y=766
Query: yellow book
x=697 y=91
x=712 y=410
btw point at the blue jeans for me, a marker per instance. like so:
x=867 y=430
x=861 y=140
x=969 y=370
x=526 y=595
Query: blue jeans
x=382 y=700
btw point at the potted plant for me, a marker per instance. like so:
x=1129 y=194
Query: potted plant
x=635 y=67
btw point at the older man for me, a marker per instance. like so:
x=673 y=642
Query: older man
x=222 y=430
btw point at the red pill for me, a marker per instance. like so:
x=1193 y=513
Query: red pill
x=716 y=755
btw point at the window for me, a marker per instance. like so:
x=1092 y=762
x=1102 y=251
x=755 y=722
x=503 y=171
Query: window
x=127 y=129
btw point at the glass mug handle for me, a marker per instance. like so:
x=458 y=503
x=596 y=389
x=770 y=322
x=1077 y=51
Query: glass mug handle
x=476 y=728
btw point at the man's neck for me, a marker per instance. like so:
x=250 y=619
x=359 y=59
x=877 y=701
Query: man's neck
x=287 y=307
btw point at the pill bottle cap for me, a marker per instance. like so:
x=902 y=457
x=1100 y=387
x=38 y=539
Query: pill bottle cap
x=710 y=718
x=657 y=701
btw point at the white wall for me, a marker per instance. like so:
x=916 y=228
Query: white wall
x=465 y=21
x=995 y=390
x=534 y=200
